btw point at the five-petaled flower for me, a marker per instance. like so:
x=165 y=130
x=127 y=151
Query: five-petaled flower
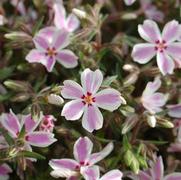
x=70 y=24
x=167 y=51
x=86 y=100
x=93 y=173
x=156 y=172
x=70 y=168
x=152 y=100
x=50 y=44
x=25 y=132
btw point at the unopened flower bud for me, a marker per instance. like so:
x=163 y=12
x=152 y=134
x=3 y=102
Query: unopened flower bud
x=151 y=120
x=55 y=99
x=79 y=13
x=17 y=36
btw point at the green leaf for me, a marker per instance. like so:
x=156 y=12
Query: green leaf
x=38 y=25
x=109 y=80
x=7 y=137
x=31 y=155
x=6 y=72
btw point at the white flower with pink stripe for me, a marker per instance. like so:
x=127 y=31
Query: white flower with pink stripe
x=71 y=169
x=50 y=45
x=86 y=100
x=29 y=137
x=163 y=46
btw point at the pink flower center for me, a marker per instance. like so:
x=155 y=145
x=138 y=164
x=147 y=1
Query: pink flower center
x=88 y=99
x=27 y=138
x=82 y=163
x=160 y=45
x=51 y=52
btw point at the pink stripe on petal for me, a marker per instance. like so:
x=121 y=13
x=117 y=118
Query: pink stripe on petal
x=35 y=56
x=60 y=39
x=113 y=175
x=174 y=110
x=144 y=176
x=108 y=99
x=40 y=43
x=11 y=123
x=173 y=176
x=91 y=80
x=143 y=53
x=165 y=63
x=4 y=170
x=72 y=23
x=91 y=173
x=71 y=90
x=49 y=63
x=92 y=118
x=174 y=50
x=73 y=110
x=149 y=31
x=59 y=18
x=40 y=139
x=63 y=163
x=82 y=149
x=96 y=157
x=67 y=58
x=171 y=31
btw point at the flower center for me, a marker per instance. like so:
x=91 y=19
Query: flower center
x=51 y=52
x=88 y=99
x=160 y=45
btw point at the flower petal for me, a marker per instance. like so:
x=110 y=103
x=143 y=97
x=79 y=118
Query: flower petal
x=59 y=17
x=57 y=164
x=108 y=99
x=72 y=23
x=144 y=176
x=113 y=175
x=49 y=63
x=60 y=39
x=91 y=80
x=174 y=110
x=41 y=43
x=64 y=173
x=11 y=123
x=40 y=139
x=173 y=176
x=71 y=90
x=174 y=147
x=142 y=53
x=174 y=50
x=67 y=58
x=92 y=118
x=91 y=173
x=82 y=149
x=152 y=87
x=149 y=31
x=4 y=170
x=35 y=56
x=171 y=31
x=158 y=169
x=165 y=63
x=96 y=157
x=73 y=110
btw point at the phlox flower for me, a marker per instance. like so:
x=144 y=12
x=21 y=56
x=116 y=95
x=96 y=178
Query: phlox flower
x=50 y=45
x=30 y=136
x=70 y=23
x=4 y=171
x=174 y=110
x=93 y=173
x=70 y=168
x=129 y=2
x=152 y=100
x=156 y=172
x=86 y=100
x=47 y=123
x=151 y=11
x=163 y=46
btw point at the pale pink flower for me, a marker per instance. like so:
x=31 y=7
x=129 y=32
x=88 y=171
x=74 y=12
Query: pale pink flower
x=4 y=171
x=153 y=101
x=129 y=2
x=93 y=173
x=70 y=168
x=163 y=46
x=70 y=23
x=47 y=123
x=30 y=137
x=86 y=100
x=174 y=110
x=156 y=172
x=50 y=46
x=151 y=11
